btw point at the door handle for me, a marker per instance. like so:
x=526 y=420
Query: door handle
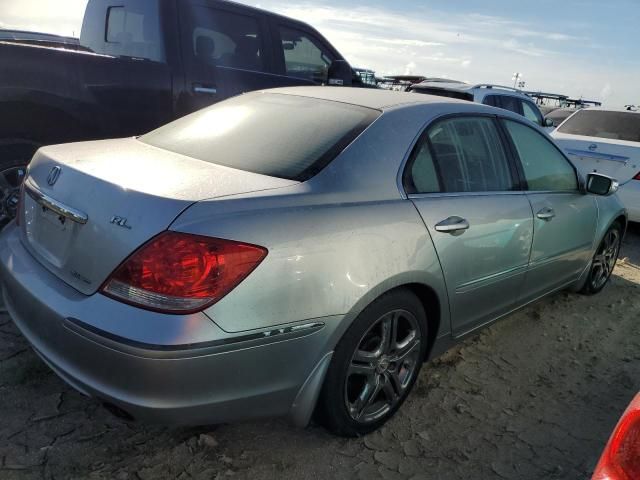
x=452 y=225
x=546 y=214
x=209 y=90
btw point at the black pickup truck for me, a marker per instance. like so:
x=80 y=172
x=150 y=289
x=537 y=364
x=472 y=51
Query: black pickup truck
x=141 y=63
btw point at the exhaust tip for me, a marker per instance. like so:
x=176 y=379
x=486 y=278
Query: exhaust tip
x=118 y=412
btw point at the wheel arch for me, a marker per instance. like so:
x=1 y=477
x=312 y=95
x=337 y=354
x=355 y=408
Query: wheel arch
x=432 y=298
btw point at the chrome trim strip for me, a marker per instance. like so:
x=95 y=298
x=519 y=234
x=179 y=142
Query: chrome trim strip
x=464 y=194
x=490 y=279
x=56 y=206
x=147 y=350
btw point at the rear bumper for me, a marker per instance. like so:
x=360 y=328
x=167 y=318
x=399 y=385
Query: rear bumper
x=161 y=368
x=629 y=194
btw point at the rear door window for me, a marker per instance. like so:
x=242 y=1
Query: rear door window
x=304 y=55
x=604 y=124
x=469 y=157
x=513 y=104
x=506 y=102
x=545 y=168
x=225 y=39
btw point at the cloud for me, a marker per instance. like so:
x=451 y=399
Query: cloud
x=606 y=92
x=409 y=68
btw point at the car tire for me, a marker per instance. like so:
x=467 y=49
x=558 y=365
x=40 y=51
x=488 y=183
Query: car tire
x=604 y=261
x=372 y=373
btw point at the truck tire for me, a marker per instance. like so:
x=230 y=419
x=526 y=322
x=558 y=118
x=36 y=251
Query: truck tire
x=13 y=168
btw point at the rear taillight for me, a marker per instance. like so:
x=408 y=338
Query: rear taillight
x=637 y=177
x=182 y=273
x=621 y=457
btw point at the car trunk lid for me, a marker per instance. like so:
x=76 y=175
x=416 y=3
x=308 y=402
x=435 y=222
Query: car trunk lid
x=89 y=205
x=616 y=158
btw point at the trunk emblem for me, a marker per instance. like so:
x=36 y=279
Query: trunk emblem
x=593 y=147
x=54 y=174
x=120 y=222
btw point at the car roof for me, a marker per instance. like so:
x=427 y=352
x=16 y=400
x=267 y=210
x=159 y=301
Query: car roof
x=378 y=99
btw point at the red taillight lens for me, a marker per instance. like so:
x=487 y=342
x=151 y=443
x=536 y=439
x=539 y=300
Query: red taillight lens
x=182 y=273
x=637 y=177
x=621 y=457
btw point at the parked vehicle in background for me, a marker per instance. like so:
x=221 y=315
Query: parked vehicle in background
x=559 y=115
x=141 y=63
x=37 y=38
x=607 y=142
x=507 y=98
x=327 y=258
x=621 y=457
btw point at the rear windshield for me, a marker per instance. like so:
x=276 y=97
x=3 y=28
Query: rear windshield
x=559 y=116
x=603 y=124
x=440 y=92
x=283 y=136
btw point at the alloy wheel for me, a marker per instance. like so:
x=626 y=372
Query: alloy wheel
x=605 y=259
x=10 y=180
x=382 y=366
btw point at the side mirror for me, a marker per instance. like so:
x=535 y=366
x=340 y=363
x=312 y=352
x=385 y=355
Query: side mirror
x=340 y=74
x=549 y=123
x=599 y=184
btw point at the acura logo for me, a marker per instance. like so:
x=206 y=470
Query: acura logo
x=54 y=174
x=593 y=147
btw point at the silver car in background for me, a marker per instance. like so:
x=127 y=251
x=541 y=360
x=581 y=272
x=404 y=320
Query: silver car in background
x=294 y=251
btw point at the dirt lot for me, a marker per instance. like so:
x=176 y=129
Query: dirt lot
x=535 y=396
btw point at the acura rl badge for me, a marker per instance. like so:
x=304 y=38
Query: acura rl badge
x=54 y=174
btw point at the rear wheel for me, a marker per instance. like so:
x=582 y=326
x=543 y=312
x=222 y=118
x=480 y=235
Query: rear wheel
x=604 y=261
x=375 y=365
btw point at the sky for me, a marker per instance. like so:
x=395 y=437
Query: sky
x=582 y=48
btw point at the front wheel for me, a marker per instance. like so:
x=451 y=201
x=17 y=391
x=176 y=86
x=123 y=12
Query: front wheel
x=604 y=261
x=375 y=365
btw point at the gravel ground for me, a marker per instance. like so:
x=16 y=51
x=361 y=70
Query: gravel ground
x=534 y=396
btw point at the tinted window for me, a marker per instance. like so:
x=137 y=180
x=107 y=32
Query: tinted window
x=225 y=39
x=603 y=124
x=545 y=168
x=134 y=31
x=440 y=92
x=241 y=133
x=421 y=176
x=531 y=112
x=303 y=56
x=491 y=100
x=506 y=102
x=470 y=156
x=513 y=104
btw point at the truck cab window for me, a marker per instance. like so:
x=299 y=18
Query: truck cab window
x=133 y=32
x=226 y=39
x=303 y=57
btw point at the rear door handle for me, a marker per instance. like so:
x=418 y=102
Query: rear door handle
x=452 y=225
x=546 y=214
x=206 y=89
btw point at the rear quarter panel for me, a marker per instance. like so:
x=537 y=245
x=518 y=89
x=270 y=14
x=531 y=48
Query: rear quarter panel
x=325 y=258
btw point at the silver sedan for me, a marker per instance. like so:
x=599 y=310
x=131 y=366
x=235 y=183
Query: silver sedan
x=294 y=251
